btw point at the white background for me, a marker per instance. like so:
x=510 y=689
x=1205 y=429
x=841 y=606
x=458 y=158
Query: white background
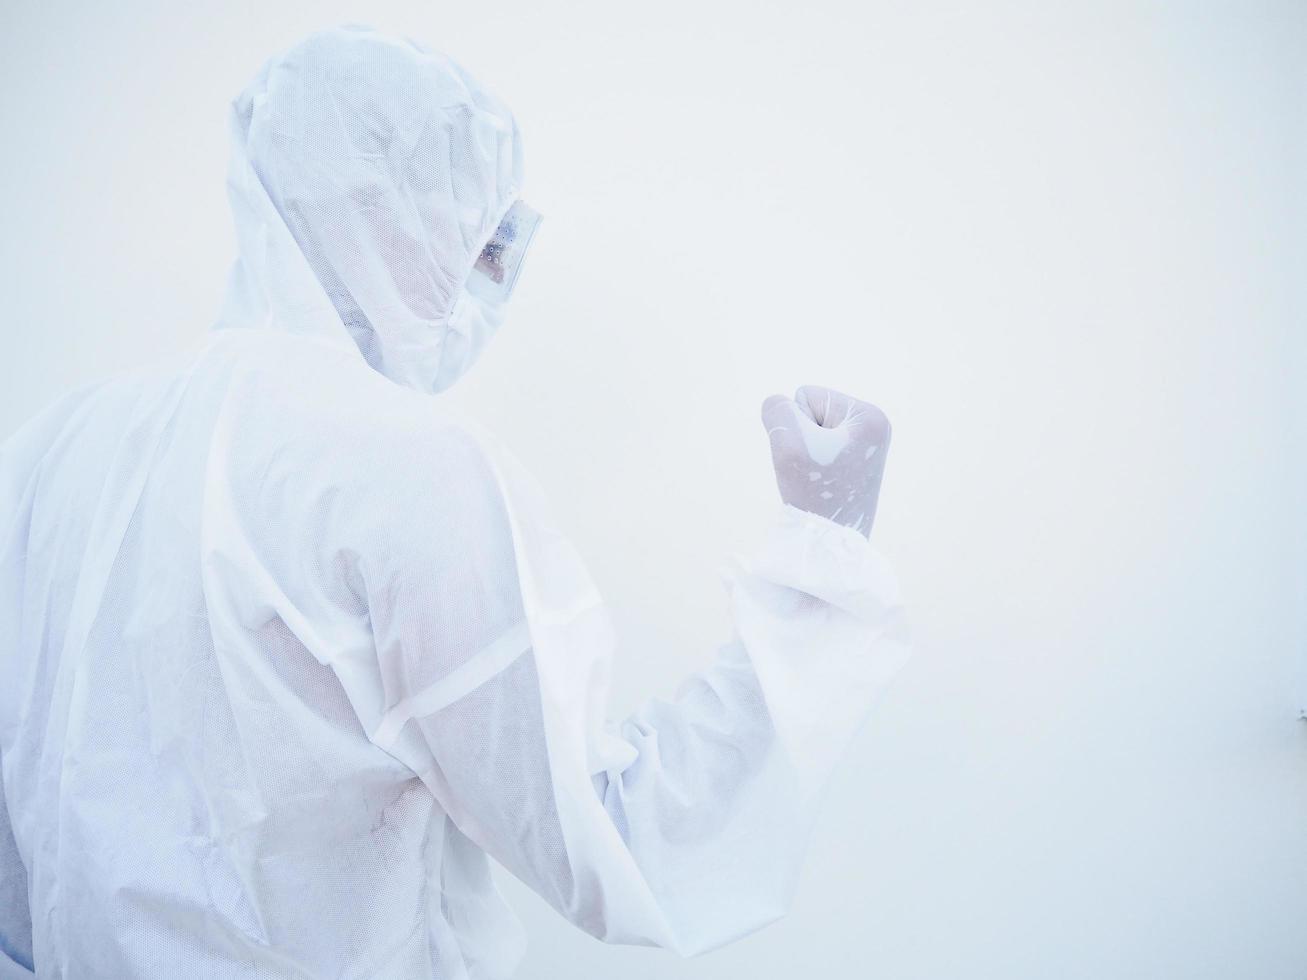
x=1062 y=245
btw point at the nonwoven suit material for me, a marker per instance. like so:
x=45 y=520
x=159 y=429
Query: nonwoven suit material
x=367 y=177
x=289 y=653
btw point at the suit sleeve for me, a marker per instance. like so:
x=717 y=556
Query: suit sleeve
x=683 y=825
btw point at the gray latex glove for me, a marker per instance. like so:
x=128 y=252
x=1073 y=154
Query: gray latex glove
x=829 y=453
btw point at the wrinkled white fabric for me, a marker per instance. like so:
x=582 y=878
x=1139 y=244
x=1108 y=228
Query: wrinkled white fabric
x=366 y=176
x=829 y=451
x=287 y=651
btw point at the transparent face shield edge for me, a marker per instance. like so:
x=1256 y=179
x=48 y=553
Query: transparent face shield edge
x=500 y=261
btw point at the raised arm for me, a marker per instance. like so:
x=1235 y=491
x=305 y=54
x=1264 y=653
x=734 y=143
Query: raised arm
x=684 y=825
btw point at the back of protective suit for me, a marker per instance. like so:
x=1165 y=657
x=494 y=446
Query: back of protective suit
x=190 y=788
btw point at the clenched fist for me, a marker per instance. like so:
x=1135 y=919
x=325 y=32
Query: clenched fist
x=829 y=453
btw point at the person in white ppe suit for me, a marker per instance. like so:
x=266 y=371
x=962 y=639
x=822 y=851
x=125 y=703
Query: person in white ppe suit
x=286 y=655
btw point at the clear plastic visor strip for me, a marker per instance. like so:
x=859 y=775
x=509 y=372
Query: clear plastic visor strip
x=501 y=260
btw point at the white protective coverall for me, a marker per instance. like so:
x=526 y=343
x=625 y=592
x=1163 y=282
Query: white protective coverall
x=285 y=652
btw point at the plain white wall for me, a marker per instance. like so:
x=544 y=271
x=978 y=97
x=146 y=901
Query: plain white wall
x=1062 y=245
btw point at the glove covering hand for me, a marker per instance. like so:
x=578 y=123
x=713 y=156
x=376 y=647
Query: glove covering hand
x=829 y=453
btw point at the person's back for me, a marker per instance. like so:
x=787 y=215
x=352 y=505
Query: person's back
x=287 y=653
x=164 y=592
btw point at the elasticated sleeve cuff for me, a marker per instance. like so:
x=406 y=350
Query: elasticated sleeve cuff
x=818 y=613
x=820 y=558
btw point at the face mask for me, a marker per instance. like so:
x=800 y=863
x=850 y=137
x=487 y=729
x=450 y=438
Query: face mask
x=479 y=311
